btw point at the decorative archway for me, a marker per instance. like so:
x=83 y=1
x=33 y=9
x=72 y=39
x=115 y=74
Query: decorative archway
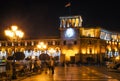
x=9 y=51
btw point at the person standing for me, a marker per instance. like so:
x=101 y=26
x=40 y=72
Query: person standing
x=8 y=69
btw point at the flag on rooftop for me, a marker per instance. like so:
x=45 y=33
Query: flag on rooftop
x=68 y=4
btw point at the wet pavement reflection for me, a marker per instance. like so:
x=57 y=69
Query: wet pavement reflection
x=81 y=73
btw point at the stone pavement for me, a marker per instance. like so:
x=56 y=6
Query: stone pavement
x=26 y=76
x=111 y=72
x=20 y=78
x=82 y=73
x=75 y=73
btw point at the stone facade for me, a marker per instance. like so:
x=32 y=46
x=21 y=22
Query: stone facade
x=75 y=44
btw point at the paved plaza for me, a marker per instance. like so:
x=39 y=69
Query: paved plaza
x=75 y=73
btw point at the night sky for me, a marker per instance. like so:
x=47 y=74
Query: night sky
x=41 y=18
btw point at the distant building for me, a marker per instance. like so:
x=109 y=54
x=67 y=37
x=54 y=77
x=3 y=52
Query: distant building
x=75 y=43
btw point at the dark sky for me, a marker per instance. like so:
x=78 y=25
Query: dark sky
x=41 y=18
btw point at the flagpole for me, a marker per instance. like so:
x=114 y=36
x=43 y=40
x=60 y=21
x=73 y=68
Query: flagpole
x=68 y=5
x=70 y=10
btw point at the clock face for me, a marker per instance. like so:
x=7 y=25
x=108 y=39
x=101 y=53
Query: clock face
x=69 y=32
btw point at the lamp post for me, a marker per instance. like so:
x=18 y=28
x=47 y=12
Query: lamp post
x=42 y=47
x=14 y=35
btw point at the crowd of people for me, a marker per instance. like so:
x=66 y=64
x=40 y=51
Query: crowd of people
x=35 y=65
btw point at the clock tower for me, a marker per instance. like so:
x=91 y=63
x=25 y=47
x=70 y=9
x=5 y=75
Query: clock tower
x=69 y=27
x=69 y=31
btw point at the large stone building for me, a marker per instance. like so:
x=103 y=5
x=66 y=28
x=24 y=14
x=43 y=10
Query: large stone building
x=75 y=43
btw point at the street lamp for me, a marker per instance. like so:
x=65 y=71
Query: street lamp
x=14 y=35
x=51 y=51
x=42 y=46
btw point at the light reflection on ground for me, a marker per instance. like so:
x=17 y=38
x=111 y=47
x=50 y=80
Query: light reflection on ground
x=72 y=74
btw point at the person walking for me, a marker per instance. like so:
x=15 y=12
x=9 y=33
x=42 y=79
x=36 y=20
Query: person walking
x=52 y=65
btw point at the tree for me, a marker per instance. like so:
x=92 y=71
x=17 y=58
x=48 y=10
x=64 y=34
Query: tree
x=44 y=57
x=19 y=55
